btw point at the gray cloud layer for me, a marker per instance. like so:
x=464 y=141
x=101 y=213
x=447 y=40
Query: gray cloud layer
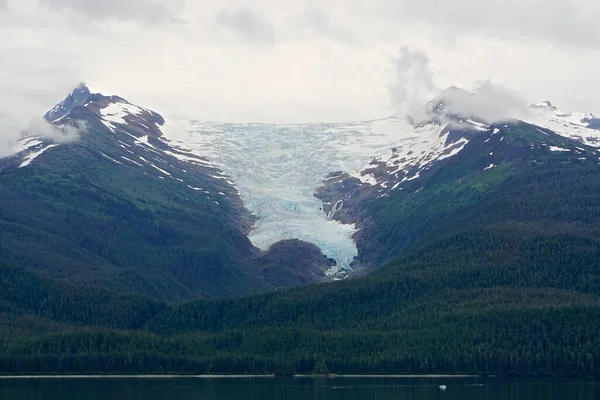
x=250 y=24
x=568 y=22
x=147 y=11
x=326 y=60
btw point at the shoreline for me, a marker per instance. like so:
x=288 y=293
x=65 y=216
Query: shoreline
x=242 y=376
x=442 y=376
x=133 y=376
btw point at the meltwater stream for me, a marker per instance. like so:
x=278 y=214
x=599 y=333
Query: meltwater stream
x=277 y=169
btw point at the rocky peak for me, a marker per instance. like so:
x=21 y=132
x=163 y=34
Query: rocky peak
x=80 y=95
x=114 y=112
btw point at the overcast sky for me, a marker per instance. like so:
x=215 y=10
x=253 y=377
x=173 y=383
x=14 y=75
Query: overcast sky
x=292 y=61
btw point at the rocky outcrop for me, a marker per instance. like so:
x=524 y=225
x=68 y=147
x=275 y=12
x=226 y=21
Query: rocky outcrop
x=292 y=263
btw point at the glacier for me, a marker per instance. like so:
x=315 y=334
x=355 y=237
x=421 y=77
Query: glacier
x=278 y=168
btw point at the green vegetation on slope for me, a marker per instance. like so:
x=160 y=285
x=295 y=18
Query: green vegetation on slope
x=507 y=282
x=80 y=218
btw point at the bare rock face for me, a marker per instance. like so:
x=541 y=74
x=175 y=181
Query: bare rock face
x=80 y=95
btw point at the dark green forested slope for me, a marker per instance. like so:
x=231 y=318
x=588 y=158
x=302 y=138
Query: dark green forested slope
x=78 y=217
x=503 y=281
x=447 y=193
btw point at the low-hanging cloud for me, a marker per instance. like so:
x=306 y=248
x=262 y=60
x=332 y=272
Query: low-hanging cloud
x=248 y=23
x=413 y=91
x=488 y=102
x=413 y=85
x=34 y=75
x=13 y=128
x=56 y=133
x=21 y=108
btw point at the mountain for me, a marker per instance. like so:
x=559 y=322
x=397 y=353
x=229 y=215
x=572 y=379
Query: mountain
x=80 y=96
x=479 y=244
x=583 y=127
x=122 y=208
x=451 y=163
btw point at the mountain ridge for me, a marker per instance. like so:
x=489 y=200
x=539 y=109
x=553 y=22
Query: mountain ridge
x=483 y=262
x=123 y=177
x=433 y=142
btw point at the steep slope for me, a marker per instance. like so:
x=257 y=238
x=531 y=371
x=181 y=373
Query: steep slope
x=453 y=163
x=122 y=208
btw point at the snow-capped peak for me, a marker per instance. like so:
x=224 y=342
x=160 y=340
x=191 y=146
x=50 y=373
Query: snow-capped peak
x=415 y=153
x=77 y=114
x=115 y=111
x=583 y=127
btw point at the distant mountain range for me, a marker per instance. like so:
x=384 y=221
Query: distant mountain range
x=478 y=252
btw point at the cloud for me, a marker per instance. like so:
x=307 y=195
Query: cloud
x=319 y=21
x=564 y=22
x=326 y=61
x=146 y=11
x=248 y=23
x=14 y=128
x=413 y=85
x=414 y=90
x=58 y=134
x=34 y=75
x=488 y=102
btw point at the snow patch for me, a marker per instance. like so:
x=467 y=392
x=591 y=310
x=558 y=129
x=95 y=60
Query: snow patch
x=115 y=113
x=111 y=159
x=188 y=158
x=26 y=143
x=32 y=156
x=131 y=161
x=567 y=124
x=478 y=125
x=161 y=170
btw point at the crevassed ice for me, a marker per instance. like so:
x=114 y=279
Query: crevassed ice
x=278 y=168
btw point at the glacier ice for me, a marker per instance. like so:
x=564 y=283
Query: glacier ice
x=277 y=169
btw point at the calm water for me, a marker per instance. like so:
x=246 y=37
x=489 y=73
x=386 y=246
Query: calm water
x=305 y=389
